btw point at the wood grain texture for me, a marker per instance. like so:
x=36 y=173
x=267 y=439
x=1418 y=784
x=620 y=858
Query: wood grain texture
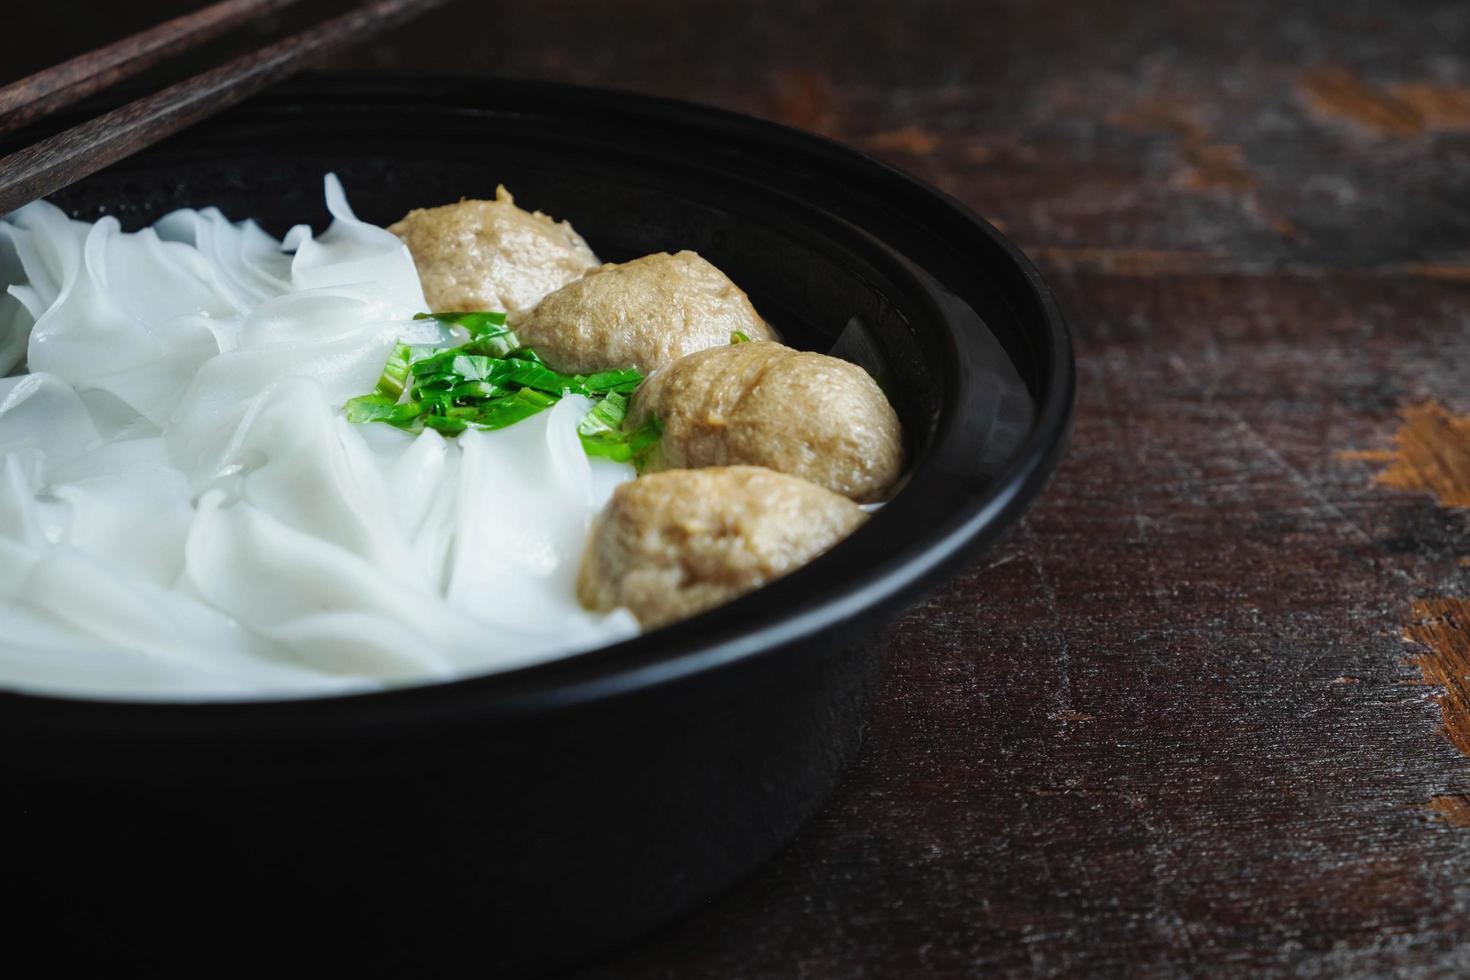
x=1454 y=809
x=36 y=96
x=1431 y=452
x=64 y=158
x=1442 y=628
x=1172 y=726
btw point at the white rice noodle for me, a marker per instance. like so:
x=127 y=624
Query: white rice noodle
x=186 y=514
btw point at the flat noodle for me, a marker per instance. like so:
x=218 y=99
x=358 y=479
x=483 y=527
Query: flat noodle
x=184 y=513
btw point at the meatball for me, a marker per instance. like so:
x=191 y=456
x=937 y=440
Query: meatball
x=674 y=544
x=642 y=314
x=763 y=404
x=491 y=255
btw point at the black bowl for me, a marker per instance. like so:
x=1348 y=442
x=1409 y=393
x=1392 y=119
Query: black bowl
x=529 y=819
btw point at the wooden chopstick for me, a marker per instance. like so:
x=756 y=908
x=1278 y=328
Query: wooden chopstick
x=59 y=160
x=39 y=95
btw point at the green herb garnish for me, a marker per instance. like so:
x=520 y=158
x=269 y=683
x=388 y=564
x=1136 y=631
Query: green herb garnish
x=379 y=408
x=479 y=323
x=492 y=382
x=395 y=372
x=488 y=333
x=619 y=382
x=739 y=337
x=603 y=433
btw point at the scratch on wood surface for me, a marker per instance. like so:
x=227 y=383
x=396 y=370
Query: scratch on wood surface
x=1442 y=626
x=1337 y=93
x=1073 y=716
x=1064 y=650
x=1269 y=453
x=1295 y=475
x=1132 y=799
x=910 y=139
x=1453 y=809
x=1431 y=452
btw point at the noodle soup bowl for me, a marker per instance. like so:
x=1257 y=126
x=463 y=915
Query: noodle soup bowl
x=524 y=820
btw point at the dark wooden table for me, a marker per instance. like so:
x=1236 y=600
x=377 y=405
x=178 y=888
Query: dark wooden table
x=1208 y=710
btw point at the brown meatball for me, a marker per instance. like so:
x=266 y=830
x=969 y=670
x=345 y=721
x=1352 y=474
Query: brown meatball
x=491 y=255
x=674 y=544
x=642 y=314
x=813 y=416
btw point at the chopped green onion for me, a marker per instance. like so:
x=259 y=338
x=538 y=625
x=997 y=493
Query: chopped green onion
x=612 y=381
x=370 y=408
x=605 y=416
x=380 y=408
x=432 y=402
x=395 y=373
x=444 y=424
x=646 y=436
x=488 y=333
x=739 y=337
x=480 y=390
x=501 y=412
x=602 y=433
x=495 y=345
x=452 y=362
x=492 y=382
x=530 y=374
x=479 y=323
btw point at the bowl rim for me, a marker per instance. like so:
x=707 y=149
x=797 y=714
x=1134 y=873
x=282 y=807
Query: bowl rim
x=662 y=656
